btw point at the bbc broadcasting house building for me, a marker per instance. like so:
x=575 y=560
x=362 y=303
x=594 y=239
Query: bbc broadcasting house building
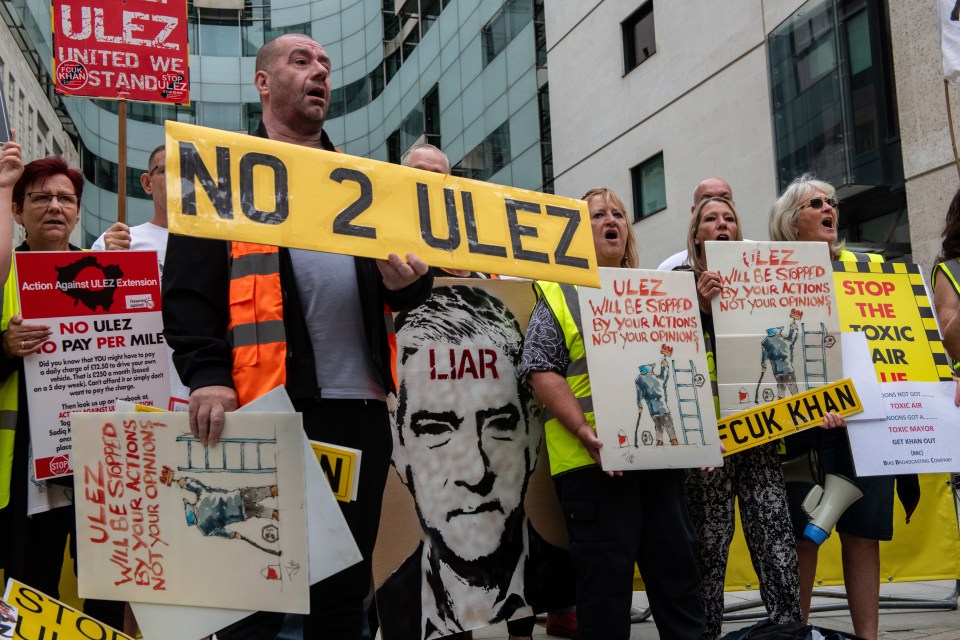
x=650 y=97
x=467 y=76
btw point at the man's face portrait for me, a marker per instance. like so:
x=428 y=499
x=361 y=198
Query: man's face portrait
x=296 y=80
x=462 y=439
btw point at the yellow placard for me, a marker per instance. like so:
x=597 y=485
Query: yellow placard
x=40 y=616
x=238 y=187
x=775 y=420
x=888 y=303
x=341 y=466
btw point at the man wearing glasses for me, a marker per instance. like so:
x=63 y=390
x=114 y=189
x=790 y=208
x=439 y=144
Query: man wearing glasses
x=149 y=235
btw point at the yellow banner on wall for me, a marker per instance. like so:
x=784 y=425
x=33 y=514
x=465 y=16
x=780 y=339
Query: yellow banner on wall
x=238 y=187
x=888 y=303
x=775 y=420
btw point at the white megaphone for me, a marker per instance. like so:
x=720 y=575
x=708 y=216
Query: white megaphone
x=826 y=504
x=804 y=469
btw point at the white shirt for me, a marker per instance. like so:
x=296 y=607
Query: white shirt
x=674 y=261
x=143 y=237
x=150 y=237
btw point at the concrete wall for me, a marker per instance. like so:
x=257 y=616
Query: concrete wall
x=928 y=162
x=23 y=114
x=702 y=98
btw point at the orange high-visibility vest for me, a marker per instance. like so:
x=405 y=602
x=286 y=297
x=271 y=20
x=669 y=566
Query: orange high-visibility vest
x=256 y=329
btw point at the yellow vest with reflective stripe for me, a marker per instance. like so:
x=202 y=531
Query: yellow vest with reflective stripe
x=850 y=256
x=563 y=448
x=8 y=395
x=951 y=269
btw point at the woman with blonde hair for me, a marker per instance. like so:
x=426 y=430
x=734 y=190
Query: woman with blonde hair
x=614 y=519
x=754 y=477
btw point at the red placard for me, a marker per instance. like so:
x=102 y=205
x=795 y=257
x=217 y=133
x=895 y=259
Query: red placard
x=135 y=50
x=92 y=283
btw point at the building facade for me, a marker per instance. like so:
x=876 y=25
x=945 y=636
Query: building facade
x=42 y=128
x=662 y=96
x=467 y=76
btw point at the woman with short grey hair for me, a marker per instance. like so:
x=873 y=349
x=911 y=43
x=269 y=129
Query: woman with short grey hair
x=807 y=211
x=803 y=213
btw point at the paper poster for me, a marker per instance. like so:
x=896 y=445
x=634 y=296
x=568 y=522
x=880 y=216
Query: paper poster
x=136 y=50
x=784 y=417
x=887 y=303
x=649 y=376
x=919 y=435
x=331 y=544
x=858 y=366
x=103 y=309
x=776 y=324
x=459 y=545
x=238 y=187
x=40 y=616
x=8 y=620
x=162 y=518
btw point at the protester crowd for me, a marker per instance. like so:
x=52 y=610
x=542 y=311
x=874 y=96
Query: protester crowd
x=242 y=318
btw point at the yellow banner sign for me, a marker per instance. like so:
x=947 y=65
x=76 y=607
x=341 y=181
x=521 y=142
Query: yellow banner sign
x=341 y=466
x=888 y=303
x=40 y=616
x=237 y=187
x=752 y=428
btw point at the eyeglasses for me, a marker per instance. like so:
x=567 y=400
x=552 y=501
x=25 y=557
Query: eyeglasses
x=160 y=168
x=817 y=203
x=44 y=198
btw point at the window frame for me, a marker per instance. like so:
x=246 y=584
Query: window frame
x=636 y=182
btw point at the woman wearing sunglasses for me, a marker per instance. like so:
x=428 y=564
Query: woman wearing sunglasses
x=808 y=212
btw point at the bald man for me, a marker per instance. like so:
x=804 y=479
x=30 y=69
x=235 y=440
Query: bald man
x=709 y=188
x=328 y=347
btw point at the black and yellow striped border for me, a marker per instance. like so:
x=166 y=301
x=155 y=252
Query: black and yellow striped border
x=920 y=296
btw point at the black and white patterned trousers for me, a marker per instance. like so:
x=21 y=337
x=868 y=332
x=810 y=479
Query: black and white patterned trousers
x=755 y=478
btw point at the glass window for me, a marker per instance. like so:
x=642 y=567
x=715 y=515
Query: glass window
x=639 y=38
x=504 y=27
x=219 y=32
x=649 y=187
x=488 y=157
x=394 y=150
x=254 y=111
x=222 y=115
x=431 y=112
x=356 y=95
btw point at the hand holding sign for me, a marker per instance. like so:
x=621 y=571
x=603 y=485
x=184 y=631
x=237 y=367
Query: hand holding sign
x=207 y=406
x=398 y=274
x=117 y=237
x=23 y=338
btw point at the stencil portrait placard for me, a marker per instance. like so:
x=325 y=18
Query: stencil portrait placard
x=468 y=536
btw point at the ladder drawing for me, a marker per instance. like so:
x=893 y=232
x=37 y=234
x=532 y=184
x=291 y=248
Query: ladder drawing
x=814 y=356
x=237 y=455
x=691 y=421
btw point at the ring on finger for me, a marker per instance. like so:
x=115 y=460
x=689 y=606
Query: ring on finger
x=23 y=345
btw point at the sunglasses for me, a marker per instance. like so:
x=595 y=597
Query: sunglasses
x=817 y=203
